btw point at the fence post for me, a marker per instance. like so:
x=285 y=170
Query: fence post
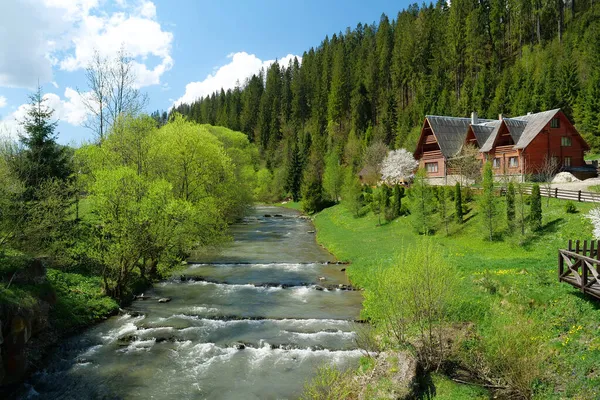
x=561 y=266
x=556 y=193
x=579 y=196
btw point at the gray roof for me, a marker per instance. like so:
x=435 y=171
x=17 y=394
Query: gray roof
x=482 y=132
x=451 y=132
x=534 y=124
x=489 y=143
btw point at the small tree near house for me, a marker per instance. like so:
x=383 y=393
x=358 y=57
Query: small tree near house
x=466 y=164
x=458 y=210
x=398 y=165
x=546 y=172
x=510 y=207
x=487 y=201
x=535 y=212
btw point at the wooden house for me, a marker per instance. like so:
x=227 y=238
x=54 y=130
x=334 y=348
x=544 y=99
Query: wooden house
x=515 y=146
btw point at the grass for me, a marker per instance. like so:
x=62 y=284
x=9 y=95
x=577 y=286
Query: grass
x=294 y=205
x=594 y=188
x=513 y=276
x=446 y=389
x=592 y=156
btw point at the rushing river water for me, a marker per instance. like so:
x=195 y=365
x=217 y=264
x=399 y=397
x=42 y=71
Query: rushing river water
x=249 y=324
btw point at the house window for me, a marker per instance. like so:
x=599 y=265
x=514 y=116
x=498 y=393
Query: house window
x=565 y=141
x=555 y=123
x=567 y=161
x=431 y=167
x=513 y=162
x=496 y=162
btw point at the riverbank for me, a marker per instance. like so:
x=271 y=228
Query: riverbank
x=41 y=307
x=508 y=289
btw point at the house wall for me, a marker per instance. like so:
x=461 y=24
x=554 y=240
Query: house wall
x=504 y=153
x=433 y=157
x=548 y=143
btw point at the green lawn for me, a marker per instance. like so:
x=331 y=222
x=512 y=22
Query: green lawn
x=513 y=276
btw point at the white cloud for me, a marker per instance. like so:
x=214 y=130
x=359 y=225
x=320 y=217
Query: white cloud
x=71 y=110
x=35 y=37
x=241 y=67
x=3 y=101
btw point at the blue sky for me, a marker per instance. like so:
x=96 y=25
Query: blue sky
x=182 y=49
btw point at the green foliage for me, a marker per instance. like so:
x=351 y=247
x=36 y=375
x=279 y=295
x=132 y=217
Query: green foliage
x=333 y=177
x=444 y=206
x=42 y=159
x=352 y=196
x=458 y=206
x=80 y=300
x=329 y=384
x=487 y=201
x=397 y=203
x=510 y=207
x=412 y=298
x=506 y=286
x=570 y=207
x=535 y=211
x=421 y=196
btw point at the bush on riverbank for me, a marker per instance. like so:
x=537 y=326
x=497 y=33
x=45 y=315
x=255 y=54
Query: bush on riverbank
x=512 y=314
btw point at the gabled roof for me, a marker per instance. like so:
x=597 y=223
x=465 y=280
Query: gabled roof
x=450 y=132
x=489 y=143
x=534 y=124
x=482 y=132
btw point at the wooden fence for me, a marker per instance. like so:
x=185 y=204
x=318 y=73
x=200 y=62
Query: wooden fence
x=563 y=194
x=580 y=266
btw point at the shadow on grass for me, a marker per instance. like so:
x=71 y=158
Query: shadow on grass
x=550 y=227
x=426 y=388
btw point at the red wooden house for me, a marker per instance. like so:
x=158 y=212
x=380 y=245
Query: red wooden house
x=515 y=146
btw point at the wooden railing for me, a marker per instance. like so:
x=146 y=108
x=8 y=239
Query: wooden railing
x=580 y=266
x=563 y=194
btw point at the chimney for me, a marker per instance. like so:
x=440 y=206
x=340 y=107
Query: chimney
x=500 y=117
x=474 y=118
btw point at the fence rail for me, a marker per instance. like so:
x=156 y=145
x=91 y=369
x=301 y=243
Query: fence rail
x=580 y=266
x=564 y=194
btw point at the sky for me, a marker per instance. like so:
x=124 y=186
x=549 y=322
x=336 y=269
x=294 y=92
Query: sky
x=181 y=49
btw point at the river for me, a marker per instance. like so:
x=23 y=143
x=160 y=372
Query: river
x=249 y=322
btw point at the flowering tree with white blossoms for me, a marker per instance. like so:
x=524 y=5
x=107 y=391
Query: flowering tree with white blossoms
x=398 y=164
x=594 y=217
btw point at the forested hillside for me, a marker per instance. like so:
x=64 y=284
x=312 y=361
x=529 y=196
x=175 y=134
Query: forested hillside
x=376 y=82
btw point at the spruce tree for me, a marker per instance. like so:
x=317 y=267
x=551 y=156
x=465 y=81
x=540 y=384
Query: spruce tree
x=43 y=158
x=535 y=211
x=421 y=204
x=398 y=195
x=294 y=173
x=510 y=207
x=458 y=210
x=487 y=201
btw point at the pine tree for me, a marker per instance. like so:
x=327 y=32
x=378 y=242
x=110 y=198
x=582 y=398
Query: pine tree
x=352 y=197
x=294 y=174
x=535 y=211
x=398 y=195
x=43 y=158
x=444 y=206
x=487 y=201
x=458 y=209
x=421 y=204
x=510 y=207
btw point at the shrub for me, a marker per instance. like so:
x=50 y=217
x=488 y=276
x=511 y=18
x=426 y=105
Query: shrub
x=410 y=301
x=329 y=384
x=535 y=212
x=570 y=207
x=458 y=205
